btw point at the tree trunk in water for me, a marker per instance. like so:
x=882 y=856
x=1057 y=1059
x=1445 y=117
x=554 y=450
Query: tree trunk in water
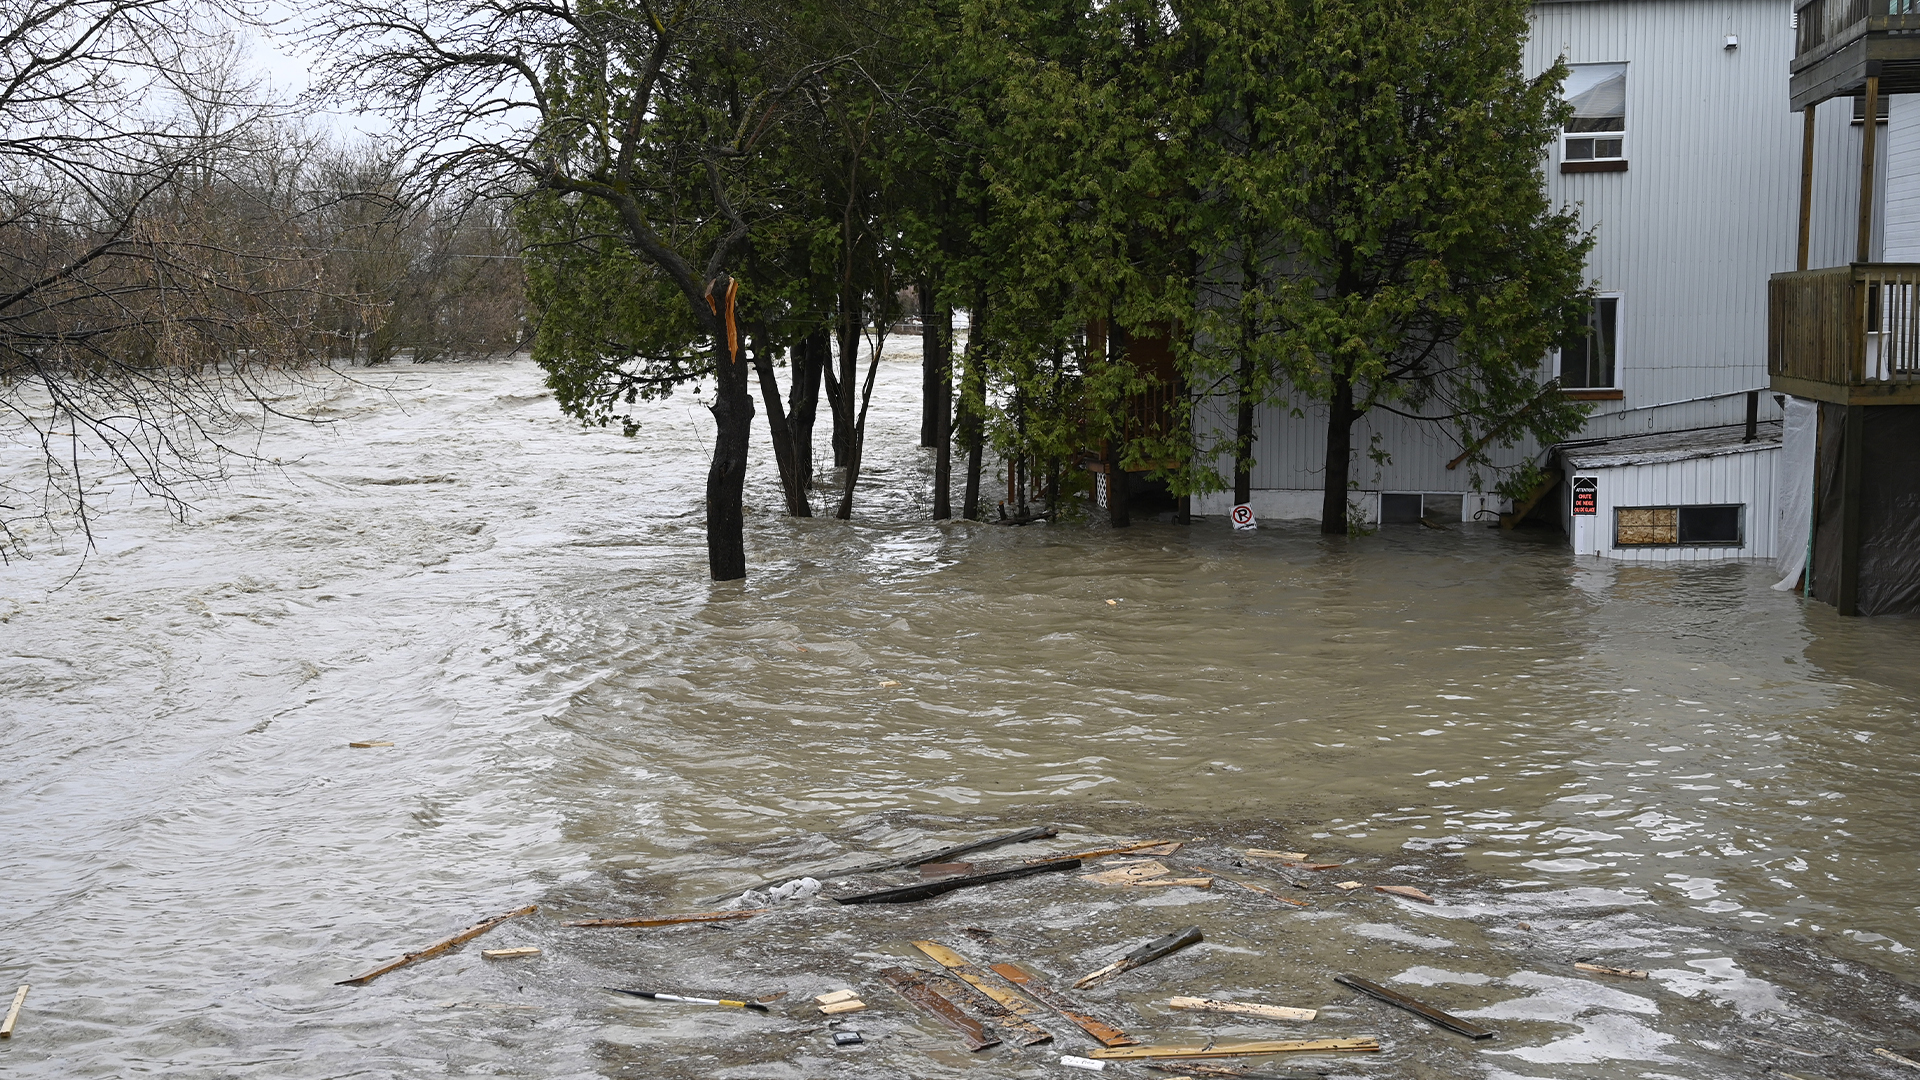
x=973 y=388
x=942 y=339
x=841 y=388
x=845 y=513
x=733 y=422
x=1340 y=417
x=803 y=400
x=783 y=453
x=929 y=366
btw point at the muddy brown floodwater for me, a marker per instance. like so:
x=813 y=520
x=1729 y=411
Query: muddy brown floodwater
x=1671 y=769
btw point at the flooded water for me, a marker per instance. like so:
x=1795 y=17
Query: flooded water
x=1666 y=768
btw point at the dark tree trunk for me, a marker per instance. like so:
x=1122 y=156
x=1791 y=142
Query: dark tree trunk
x=1340 y=418
x=783 y=452
x=929 y=366
x=1119 y=489
x=845 y=512
x=803 y=400
x=942 y=339
x=733 y=422
x=840 y=386
x=973 y=388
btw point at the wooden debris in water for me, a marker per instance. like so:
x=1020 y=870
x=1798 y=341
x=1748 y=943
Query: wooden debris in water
x=1361 y=1044
x=1145 y=954
x=1103 y=1033
x=1602 y=969
x=438 y=947
x=674 y=920
x=912 y=986
x=368 y=744
x=1037 y=832
x=1407 y=891
x=929 y=889
x=1156 y=847
x=1290 y=856
x=1349 y=886
x=836 y=997
x=1251 y=887
x=852 y=1005
x=1128 y=874
x=1022 y=1012
x=1244 y=1008
x=13 y=1011
x=510 y=954
x=1891 y=1055
x=1418 y=1008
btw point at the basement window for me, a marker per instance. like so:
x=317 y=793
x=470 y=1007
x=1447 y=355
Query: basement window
x=1590 y=360
x=1678 y=526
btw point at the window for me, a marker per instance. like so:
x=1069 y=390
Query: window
x=1589 y=362
x=1648 y=526
x=1597 y=131
x=1860 y=109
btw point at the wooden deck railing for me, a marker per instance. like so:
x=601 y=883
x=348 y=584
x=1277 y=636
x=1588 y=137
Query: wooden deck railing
x=1852 y=325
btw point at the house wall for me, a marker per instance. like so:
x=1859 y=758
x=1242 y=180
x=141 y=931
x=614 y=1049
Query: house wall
x=1687 y=236
x=1744 y=478
x=1900 y=222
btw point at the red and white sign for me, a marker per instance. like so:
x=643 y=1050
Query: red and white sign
x=1243 y=518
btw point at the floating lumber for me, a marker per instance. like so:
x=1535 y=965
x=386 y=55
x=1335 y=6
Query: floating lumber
x=13 y=1011
x=1602 y=969
x=837 y=997
x=912 y=986
x=1271 y=1012
x=438 y=947
x=1407 y=891
x=1153 y=847
x=851 y=1005
x=1246 y=1049
x=1145 y=954
x=1289 y=856
x=1103 y=1033
x=673 y=920
x=927 y=890
x=1022 y=1012
x=1037 y=832
x=368 y=745
x=1445 y=1020
x=1251 y=887
x=1890 y=1055
x=509 y=954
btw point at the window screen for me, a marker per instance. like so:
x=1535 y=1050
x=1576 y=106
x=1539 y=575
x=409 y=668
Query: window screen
x=1597 y=130
x=1399 y=509
x=1640 y=526
x=1587 y=361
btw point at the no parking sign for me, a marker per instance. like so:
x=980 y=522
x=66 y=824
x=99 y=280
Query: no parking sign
x=1243 y=518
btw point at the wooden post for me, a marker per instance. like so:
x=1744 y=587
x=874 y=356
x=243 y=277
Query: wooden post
x=1806 y=185
x=1863 y=248
x=1852 y=465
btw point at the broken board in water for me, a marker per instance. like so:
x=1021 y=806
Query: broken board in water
x=1445 y=1020
x=912 y=985
x=1103 y=1033
x=927 y=890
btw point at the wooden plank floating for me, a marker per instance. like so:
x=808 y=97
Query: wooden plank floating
x=1407 y=891
x=13 y=1011
x=1037 y=832
x=927 y=890
x=438 y=947
x=1169 y=846
x=1103 y=1033
x=1445 y=1020
x=673 y=920
x=1602 y=969
x=368 y=745
x=509 y=954
x=1021 y=1010
x=1129 y=873
x=1890 y=1055
x=837 y=997
x=1145 y=954
x=851 y=1005
x=1360 y=1044
x=1251 y=887
x=912 y=986
x=1290 y=856
x=1271 y=1012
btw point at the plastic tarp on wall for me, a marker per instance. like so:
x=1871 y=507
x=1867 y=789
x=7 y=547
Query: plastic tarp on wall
x=1889 y=509
x=1794 y=500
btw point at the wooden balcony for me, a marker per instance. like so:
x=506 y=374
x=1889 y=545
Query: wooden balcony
x=1841 y=42
x=1846 y=334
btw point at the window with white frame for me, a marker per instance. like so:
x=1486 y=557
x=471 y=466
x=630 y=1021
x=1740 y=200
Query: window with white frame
x=1597 y=131
x=1591 y=360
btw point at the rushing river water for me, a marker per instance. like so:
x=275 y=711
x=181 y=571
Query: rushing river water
x=1670 y=768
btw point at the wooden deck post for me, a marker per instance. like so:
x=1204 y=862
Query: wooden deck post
x=1863 y=249
x=1806 y=185
x=1846 y=599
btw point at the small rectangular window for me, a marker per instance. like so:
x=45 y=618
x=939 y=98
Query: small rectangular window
x=1700 y=526
x=1860 y=109
x=1597 y=131
x=1590 y=360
